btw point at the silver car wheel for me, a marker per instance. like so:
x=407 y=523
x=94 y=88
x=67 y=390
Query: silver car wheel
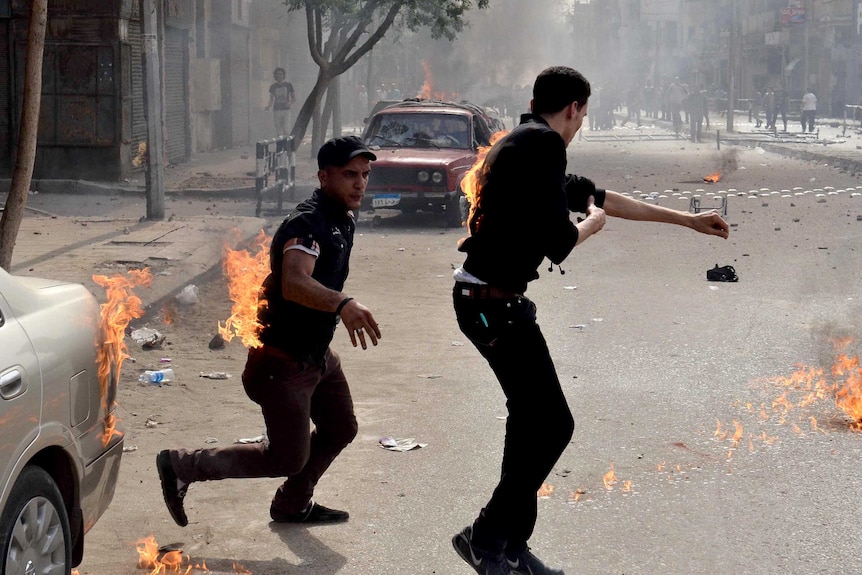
x=37 y=541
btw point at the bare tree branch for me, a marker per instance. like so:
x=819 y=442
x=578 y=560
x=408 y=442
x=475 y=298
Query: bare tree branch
x=372 y=39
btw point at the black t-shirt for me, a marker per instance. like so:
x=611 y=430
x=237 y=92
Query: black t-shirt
x=282 y=94
x=322 y=226
x=522 y=215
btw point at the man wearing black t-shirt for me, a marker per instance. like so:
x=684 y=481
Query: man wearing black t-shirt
x=520 y=217
x=294 y=376
x=281 y=98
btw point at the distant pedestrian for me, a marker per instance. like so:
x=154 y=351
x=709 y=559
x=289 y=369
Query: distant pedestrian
x=769 y=109
x=782 y=104
x=281 y=98
x=754 y=108
x=294 y=375
x=809 y=110
x=697 y=105
x=676 y=93
x=634 y=102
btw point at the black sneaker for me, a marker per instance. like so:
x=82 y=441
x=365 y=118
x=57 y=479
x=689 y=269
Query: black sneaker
x=482 y=562
x=313 y=513
x=528 y=564
x=173 y=490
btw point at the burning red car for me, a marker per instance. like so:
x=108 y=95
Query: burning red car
x=424 y=148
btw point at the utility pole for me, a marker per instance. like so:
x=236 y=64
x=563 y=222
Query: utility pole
x=155 y=171
x=731 y=65
x=806 y=31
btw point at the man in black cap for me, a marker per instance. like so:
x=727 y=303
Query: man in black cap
x=294 y=376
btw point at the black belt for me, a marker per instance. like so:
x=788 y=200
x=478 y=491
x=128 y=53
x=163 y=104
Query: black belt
x=483 y=291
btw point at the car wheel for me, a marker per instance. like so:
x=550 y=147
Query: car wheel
x=454 y=215
x=34 y=527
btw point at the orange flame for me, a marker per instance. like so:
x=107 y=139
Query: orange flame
x=245 y=272
x=427 y=92
x=737 y=434
x=610 y=478
x=842 y=383
x=712 y=178
x=575 y=496
x=175 y=561
x=472 y=181
x=545 y=491
x=120 y=308
x=149 y=557
x=429 y=82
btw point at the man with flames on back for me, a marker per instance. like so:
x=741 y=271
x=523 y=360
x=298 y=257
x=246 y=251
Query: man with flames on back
x=294 y=376
x=508 y=241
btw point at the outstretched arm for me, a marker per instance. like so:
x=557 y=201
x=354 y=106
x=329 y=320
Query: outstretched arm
x=620 y=206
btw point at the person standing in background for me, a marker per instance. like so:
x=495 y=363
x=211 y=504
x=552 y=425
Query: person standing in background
x=281 y=98
x=809 y=110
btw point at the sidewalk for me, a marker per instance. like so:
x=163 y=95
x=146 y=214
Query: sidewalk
x=834 y=141
x=179 y=250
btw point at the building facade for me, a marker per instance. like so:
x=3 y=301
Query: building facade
x=796 y=45
x=216 y=60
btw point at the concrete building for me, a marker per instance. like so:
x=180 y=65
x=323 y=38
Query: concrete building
x=791 y=44
x=216 y=59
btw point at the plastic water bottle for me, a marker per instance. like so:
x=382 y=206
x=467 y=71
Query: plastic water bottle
x=157 y=377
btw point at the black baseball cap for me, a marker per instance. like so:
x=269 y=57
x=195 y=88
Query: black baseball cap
x=339 y=151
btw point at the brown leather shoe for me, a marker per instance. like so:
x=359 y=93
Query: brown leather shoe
x=173 y=490
x=313 y=513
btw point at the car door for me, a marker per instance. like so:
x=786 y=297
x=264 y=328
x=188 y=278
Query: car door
x=20 y=392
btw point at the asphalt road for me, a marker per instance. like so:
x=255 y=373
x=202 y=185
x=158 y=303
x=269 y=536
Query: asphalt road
x=656 y=362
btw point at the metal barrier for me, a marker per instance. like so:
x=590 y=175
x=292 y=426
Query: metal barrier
x=855 y=113
x=695 y=207
x=276 y=162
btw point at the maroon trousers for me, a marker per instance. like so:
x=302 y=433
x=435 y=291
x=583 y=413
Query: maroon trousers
x=292 y=394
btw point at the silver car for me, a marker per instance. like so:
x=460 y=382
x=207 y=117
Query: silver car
x=60 y=448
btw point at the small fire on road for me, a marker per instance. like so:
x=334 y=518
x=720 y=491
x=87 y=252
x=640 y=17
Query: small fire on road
x=545 y=491
x=841 y=384
x=712 y=178
x=170 y=559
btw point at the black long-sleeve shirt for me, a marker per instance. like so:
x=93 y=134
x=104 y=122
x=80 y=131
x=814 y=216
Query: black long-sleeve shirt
x=522 y=213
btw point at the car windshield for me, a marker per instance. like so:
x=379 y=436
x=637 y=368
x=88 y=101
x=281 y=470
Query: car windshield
x=412 y=130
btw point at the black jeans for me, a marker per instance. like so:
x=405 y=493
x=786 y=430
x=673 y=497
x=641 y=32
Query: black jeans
x=292 y=394
x=539 y=425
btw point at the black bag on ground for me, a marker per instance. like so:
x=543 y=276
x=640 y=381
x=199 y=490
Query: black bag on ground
x=722 y=274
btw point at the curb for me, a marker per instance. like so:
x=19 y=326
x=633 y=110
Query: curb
x=85 y=187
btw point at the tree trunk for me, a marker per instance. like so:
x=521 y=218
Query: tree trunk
x=335 y=94
x=308 y=110
x=25 y=159
x=328 y=108
x=369 y=85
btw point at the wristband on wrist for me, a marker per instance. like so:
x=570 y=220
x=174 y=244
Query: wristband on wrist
x=341 y=305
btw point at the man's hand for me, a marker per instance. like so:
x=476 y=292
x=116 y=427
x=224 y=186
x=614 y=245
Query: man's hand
x=594 y=221
x=359 y=322
x=710 y=223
